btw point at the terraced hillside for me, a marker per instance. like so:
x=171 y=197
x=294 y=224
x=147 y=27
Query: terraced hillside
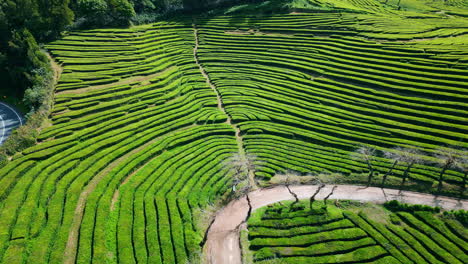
x=145 y=119
x=305 y=89
x=350 y=233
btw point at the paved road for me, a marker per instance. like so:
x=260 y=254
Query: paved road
x=222 y=245
x=9 y=120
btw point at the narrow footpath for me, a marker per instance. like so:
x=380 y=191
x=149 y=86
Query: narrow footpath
x=222 y=245
x=239 y=139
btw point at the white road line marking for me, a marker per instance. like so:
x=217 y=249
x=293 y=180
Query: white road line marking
x=19 y=118
x=3 y=130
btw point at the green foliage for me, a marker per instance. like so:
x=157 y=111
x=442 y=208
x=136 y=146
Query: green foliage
x=460 y=215
x=56 y=16
x=93 y=12
x=142 y=6
x=342 y=234
x=20 y=139
x=395 y=205
x=3 y=159
x=42 y=88
x=137 y=130
x=121 y=11
x=24 y=58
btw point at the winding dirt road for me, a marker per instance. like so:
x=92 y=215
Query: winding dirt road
x=222 y=245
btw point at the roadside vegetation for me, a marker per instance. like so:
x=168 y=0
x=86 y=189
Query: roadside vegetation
x=349 y=231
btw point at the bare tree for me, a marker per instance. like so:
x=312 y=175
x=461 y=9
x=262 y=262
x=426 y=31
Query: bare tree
x=410 y=156
x=328 y=196
x=398 y=155
x=446 y=158
x=312 y=198
x=462 y=164
x=242 y=165
x=392 y=156
x=291 y=179
x=368 y=155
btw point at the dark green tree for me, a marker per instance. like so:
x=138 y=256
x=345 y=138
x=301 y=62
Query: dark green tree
x=146 y=5
x=56 y=15
x=121 y=12
x=24 y=56
x=94 y=12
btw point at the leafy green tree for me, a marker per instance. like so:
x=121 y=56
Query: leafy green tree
x=24 y=56
x=93 y=11
x=56 y=15
x=36 y=95
x=146 y=5
x=21 y=23
x=3 y=24
x=22 y=14
x=194 y=4
x=121 y=11
x=92 y=7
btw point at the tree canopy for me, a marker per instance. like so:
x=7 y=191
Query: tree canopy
x=24 y=23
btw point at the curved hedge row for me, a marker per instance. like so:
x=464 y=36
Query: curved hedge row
x=137 y=141
x=340 y=233
x=138 y=137
x=305 y=102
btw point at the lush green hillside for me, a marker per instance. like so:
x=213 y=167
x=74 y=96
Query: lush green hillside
x=349 y=232
x=305 y=89
x=146 y=117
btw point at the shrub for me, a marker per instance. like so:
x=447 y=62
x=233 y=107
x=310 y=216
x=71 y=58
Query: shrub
x=460 y=215
x=394 y=205
x=3 y=158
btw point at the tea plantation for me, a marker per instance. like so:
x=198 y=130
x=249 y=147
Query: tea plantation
x=145 y=118
x=348 y=232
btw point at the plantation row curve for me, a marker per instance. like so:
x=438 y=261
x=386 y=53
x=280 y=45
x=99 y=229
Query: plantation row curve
x=245 y=216
x=139 y=139
x=340 y=231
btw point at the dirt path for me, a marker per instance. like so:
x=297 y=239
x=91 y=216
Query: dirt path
x=240 y=143
x=140 y=78
x=55 y=67
x=222 y=245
